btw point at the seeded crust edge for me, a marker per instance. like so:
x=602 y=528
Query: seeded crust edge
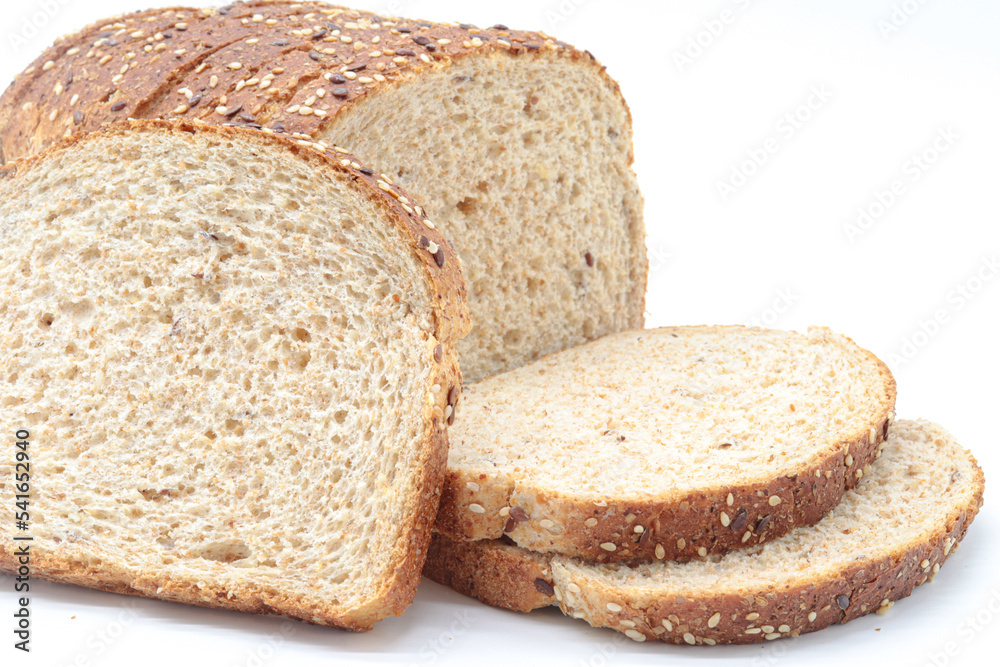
x=506 y=576
x=452 y=322
x=811 y=492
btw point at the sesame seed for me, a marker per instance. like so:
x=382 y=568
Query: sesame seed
x=235 y=66
x=573 y=588
x=638 y=529
x=180 y=52
x=305 y=111
x=752 y=616
x=937 y=567
x=382 y=185
x=271 y=22
x=667 y=625
x=425 y=58
x=72 y=52
x=947 y=545
x=221 y=110
x=183 y=108
x=257 y=18
x=614 y=608
x=476 y=508
x=689 y=638
x=350 y=75
x=103 y=61
x=213 y=82
x=767 y=628
x=872 y=436
x=240 y=86
x=366 y=79
x=772 y=635
x=609 y=546
x=660 y=552
x=47 y=66
x=746 y=536
x=702 y=551
x=709 y=641
x=635 y=635
x=591 y=522
x=504 y=511
x=752 y=631
x=252 y=41
x=773 y=501
x=472 y=486
x=730 y=500
x=137 y=34
x=724 y=518
x=681 y=544
x=117 y=77
x=433 y=226
x=59 y=89
x=859 y=473
x=53 y=115
x=784 y=628
x=925 y=564
x=73 y=100
x=812 y=616
x=293 y=109
x=628 y=624
x=264 y=84
x=546 y=523
x=849 y=460
x=310 y=101
x=714 y=619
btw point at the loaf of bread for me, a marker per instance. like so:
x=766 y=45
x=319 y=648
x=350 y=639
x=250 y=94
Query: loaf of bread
x=893 y=532
x=518 y=145
x=234 y=356
x=667 y=443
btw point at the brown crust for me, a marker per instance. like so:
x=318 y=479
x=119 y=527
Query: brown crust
x=38 y=108
x=503 y=575
x=452 y=322
x=806 y=496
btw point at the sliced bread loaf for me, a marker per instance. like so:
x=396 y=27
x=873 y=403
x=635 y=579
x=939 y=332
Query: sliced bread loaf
x=667 y=443
x=518 y=145
x=233 y=357
x=888 y=535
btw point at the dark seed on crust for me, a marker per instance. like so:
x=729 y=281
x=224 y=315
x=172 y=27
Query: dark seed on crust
x=422 y=40
x=843 y=601
x=510 y=525
x=739 y=521
x=644 y=538
x=885 y=429
x=195 y=101
x=466 y=26
x=112 y=42
x=532 y=46
x=235 y=110
x=424 y=242
x=405 y=31
x=500 y=26
x=590 y=259
x=316 y=55
x=431 y=47
x=451 y=418
x=117 y=106
x=319 y=34
x=453 y=396
x=762 y=524
x=78 y=117
x=280 y=42
x=518 y=514
x=438 y=353
x=69 y=78
x=425 y=24
x=339 y=91
x=439 y=257
x=357 y=67
x=405 y=52
x=278 y=127
x=337 y=77
x=247 y=118
x=544 y=587
x=367 y=171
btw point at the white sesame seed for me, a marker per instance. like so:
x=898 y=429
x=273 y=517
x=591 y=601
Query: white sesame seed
x=240 y=86
x=476 y=508
x=689 y=638
x=767 y=628
x=812 y=616
x=746 y=537
x=504 y=511
x=264 y=84
x=714 y=619
x=74 y=100
x=444 y=42
x=702 y=551
x=773 y=501
x=382 y=185
x=433 y=226
x=724 y=518
x=772 y=635
x=72 y=52
x=103 y=61
x=366 y=79
x=137 y=34
x=213 y=82
x=681 y=544
x=730 y=500
x=752 y=631
x=544 y=523
x=476 y=41
x=471 y=486
x=784 y=628
x=235 y=66
x=257 y=18
x=311 y=100
x=305 y=111
x=426 y=58
x=180 y=52
x=123 y=69
x=709 y=641
x=59 y=89
x=221 y=110
x=872 y=436
x=638 y=529
x=635 y=635
x=628 y=624
x=947 y=545
x=660 y=552
x=321 y=93
x=667 y=625
x=609 y=546
x=937 y=568
x=752 y=616
x=350 y=75
x=848 y=460
x=252 y=41
x=183 y=108
x=573 y=588
x=591 y=522
x=54 y=114
x=271 y=22
x=293 y=109
x=47 y=66
x=614 y=608
x=925 y=564
x=579 y=614
x=117 y=77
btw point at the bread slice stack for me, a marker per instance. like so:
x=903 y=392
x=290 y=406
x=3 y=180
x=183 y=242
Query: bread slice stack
x=699 y=485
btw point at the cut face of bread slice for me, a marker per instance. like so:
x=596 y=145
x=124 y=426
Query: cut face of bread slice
x=518 y=145
x=671 y=443
x=888 y=535
x=234 y=357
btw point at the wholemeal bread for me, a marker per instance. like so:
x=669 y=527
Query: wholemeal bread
x=234 y=357
x=666 y=443
x=518 y=145
x=888 y=535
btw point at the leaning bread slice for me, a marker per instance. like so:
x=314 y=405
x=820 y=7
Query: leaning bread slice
x=888 y=535
x=231 y=356
x=669 y=443
x=518 y=145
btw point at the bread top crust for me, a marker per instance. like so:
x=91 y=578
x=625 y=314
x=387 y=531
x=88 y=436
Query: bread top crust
x=196 y=63
x=441 y=264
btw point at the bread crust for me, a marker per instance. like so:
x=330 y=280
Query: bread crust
x=451 y=323
x=675 y=527
x=503 y=575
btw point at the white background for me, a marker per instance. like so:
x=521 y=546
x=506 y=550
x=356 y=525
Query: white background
x=777 y=250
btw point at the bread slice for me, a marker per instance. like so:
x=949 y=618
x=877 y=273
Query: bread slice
x=234 y=355
x=890 y=534
x=669 y=443
x=518 y=145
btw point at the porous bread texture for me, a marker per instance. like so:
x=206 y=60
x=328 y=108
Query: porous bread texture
x=236 y=364
x=888 y=535
x=519 y=145
x=667 y=443
x=526 y=164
